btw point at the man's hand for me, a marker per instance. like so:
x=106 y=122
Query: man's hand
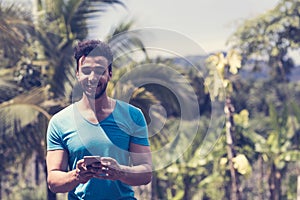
x=108 y=169
x=83 y=173
x=139 y=173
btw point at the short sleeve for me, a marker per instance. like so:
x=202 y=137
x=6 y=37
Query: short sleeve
x=140 y=132
x=54 y=141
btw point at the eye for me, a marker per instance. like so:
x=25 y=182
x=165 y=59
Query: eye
x=99 y=71
x=86 y=71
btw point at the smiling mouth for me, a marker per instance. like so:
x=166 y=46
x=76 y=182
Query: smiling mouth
x=92 y=88
x=93 y=85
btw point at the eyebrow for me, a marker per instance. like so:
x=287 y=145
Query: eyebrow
x=100 y=66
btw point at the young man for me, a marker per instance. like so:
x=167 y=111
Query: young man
x=97 y=125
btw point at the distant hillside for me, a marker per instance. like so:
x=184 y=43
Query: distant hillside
x=260 y=70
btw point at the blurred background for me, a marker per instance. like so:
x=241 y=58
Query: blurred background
x=239 y=61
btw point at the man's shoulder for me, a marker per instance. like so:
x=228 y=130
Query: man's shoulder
x=129 y=110
x=65 y=112
x=125 y=105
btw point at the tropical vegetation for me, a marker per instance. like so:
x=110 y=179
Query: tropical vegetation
x=249 y=150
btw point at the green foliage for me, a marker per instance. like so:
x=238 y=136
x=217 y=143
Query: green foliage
x=219 y=81
x=16 y=26
x=22 y=137
x=270 y=36
x=20 y=182
x=274 y=30
x=267 y=117
x=46 y=43
x=182 y=176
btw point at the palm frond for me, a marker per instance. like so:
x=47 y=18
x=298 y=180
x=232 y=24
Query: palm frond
x=15 y=26
x=62 y=23
x=87 y=10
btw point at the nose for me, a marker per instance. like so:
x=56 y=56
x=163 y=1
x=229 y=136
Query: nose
x=93 y=77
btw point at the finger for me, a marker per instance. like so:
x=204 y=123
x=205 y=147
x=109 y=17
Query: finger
x=110 y=163
x=81 y=165
x=108 y=175
x=107 y=161
x=106 y=171
x=80 y=162
x=102 y=176
x=85 y=170
x=86 y=178
x=86 y=173
x=83 y=176
x=96 y=165
x=103 y=168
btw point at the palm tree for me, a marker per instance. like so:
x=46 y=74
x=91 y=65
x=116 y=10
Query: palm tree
x=59 y=25
x=278 y=145
x=21 y=135
x=52 y=47
x=15 y=27
x=219 y=82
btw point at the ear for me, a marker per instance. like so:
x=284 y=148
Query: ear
x=80 y=62
x=109 y=75
x=77 y=74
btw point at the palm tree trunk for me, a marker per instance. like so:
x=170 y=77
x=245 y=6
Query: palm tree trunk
x=154 y=186
x=229 y=110
x=37 y=170
x=261 y=177
x=187 y=182
x=275 y=183
x=0 y=187
x=298 y=187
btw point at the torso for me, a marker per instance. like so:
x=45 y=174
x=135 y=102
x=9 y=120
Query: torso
x=111 y=137
x=100 y=115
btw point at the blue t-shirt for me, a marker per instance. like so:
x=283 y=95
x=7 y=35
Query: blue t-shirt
x=70 y=131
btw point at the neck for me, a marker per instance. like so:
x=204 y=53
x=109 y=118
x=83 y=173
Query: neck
x=98 y=105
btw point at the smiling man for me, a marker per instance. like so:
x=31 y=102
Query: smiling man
x=97 y=125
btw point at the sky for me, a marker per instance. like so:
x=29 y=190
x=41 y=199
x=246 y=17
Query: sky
x=208 y=23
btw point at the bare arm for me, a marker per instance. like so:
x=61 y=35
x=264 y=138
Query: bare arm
x=61 y=180
x=140 y=173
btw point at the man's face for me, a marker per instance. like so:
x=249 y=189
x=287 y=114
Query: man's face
x=93 y=75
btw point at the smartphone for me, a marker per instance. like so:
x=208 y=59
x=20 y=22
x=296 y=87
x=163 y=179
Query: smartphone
x=88 y=160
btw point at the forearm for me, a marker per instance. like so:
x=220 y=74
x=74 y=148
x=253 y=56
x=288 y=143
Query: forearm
x=136 y=175
x=61 y=182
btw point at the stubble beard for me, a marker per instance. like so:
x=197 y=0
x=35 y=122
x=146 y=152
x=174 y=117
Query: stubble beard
x=96 y=95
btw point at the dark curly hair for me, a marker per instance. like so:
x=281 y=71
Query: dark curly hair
x=93 y=48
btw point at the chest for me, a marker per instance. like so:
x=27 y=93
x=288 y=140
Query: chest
x=106 y=139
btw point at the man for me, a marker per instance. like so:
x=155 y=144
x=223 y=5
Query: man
x=97 y=125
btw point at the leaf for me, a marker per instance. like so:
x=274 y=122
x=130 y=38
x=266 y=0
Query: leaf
x=273 y=142
x=242 y=165
x=292 y=127
x=279 y=163
x=242 y=118
x=223 y=161
x=256 y=138
x=173 y=169
x=234 y=60
x=217 y=61
x=290 y=156
x=275 y=51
